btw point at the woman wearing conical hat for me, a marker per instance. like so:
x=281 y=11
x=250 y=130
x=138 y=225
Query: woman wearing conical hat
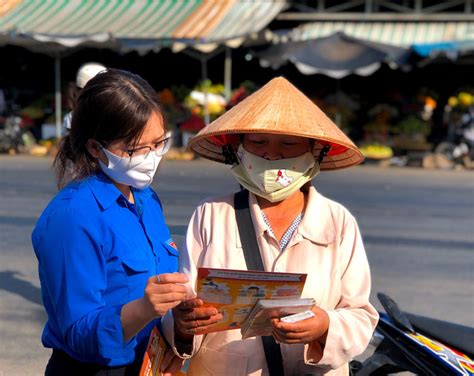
x=277 y=141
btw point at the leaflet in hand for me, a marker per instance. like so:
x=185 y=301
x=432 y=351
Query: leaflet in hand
x=259 y=320
x=235 y=292
x=154 y=356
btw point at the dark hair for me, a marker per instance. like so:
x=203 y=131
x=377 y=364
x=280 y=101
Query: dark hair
x=114 y=105
x=70 y=94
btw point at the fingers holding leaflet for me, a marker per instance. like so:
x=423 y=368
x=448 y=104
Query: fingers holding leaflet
x=191 y=318
x=171 y=278
x=164 y=292
x=304 y=331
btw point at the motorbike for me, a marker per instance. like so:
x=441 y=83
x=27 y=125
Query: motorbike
x=15 y=134
x=459 y=150
x=405 y=342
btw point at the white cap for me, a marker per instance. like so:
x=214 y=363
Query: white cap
x=86 y=72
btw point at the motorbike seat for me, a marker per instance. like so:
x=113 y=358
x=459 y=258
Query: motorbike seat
x=454 y=335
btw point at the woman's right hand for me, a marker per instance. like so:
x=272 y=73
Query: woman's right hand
x=164 y=292
x=191 y=318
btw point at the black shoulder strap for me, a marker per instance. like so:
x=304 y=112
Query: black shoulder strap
x=253 y=259
x=248 y=238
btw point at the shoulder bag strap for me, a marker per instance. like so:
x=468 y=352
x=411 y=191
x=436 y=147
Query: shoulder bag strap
x=253 y=260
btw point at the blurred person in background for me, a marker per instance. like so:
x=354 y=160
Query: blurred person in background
x=84 y=74
x=107 y=262
x=277 y=141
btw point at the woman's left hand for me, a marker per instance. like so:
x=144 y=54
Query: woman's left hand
x=309 y=330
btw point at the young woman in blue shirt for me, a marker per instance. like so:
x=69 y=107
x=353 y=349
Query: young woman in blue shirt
x=107 y=262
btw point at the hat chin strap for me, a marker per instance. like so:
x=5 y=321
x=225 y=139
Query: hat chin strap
x=323 y=153
x=229 y=154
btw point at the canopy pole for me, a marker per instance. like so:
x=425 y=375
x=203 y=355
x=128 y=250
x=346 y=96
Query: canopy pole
x=204 y=78
x=57 y=96
x=338 y=117
x=227 y=73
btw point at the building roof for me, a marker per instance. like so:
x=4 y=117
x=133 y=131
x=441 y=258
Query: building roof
x=135 y=24
x=402 y=34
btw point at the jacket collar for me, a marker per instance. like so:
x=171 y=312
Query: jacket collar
x=317 y=224
x=256 y=213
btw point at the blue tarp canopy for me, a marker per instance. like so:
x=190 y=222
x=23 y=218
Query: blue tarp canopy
x=449 y=48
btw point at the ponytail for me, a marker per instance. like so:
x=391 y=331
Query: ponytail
x=64 y=162
x=71 y=164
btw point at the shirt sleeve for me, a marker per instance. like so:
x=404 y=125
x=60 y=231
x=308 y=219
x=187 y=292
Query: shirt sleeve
x=73 y=272
x=353 y=320
x=188 y=259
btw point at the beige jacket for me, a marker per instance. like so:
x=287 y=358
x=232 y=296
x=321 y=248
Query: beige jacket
x=326 y=245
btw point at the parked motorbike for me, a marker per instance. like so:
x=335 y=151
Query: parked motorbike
x=15 y=134
x=460 y=149
x=420 y=345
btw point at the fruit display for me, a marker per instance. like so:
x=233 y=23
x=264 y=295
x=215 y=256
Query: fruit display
x=206 y=93
x=376 y=151
x=463 y=99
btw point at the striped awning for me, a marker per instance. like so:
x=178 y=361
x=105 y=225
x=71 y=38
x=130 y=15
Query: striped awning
x=135 y=24
x=401 y=34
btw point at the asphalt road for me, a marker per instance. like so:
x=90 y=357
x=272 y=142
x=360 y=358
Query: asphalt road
x=418 y=227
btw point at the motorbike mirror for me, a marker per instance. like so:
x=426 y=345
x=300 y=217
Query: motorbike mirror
x=395 y=313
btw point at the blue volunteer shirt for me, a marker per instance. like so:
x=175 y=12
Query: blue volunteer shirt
x=96 y=252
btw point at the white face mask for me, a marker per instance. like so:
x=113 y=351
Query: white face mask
x=137 y=172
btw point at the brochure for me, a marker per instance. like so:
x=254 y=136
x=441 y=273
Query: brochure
x=235 y=292
x=258 y=322
x=154 y=354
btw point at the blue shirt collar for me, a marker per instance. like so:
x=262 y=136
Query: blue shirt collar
x=103 y=189
x=106 y=193
x=141 y=195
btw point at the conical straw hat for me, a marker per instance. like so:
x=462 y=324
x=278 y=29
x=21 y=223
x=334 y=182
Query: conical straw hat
x=277 y=108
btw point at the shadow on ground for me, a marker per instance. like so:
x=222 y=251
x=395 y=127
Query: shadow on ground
x=412 y=242
x=9 y=281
